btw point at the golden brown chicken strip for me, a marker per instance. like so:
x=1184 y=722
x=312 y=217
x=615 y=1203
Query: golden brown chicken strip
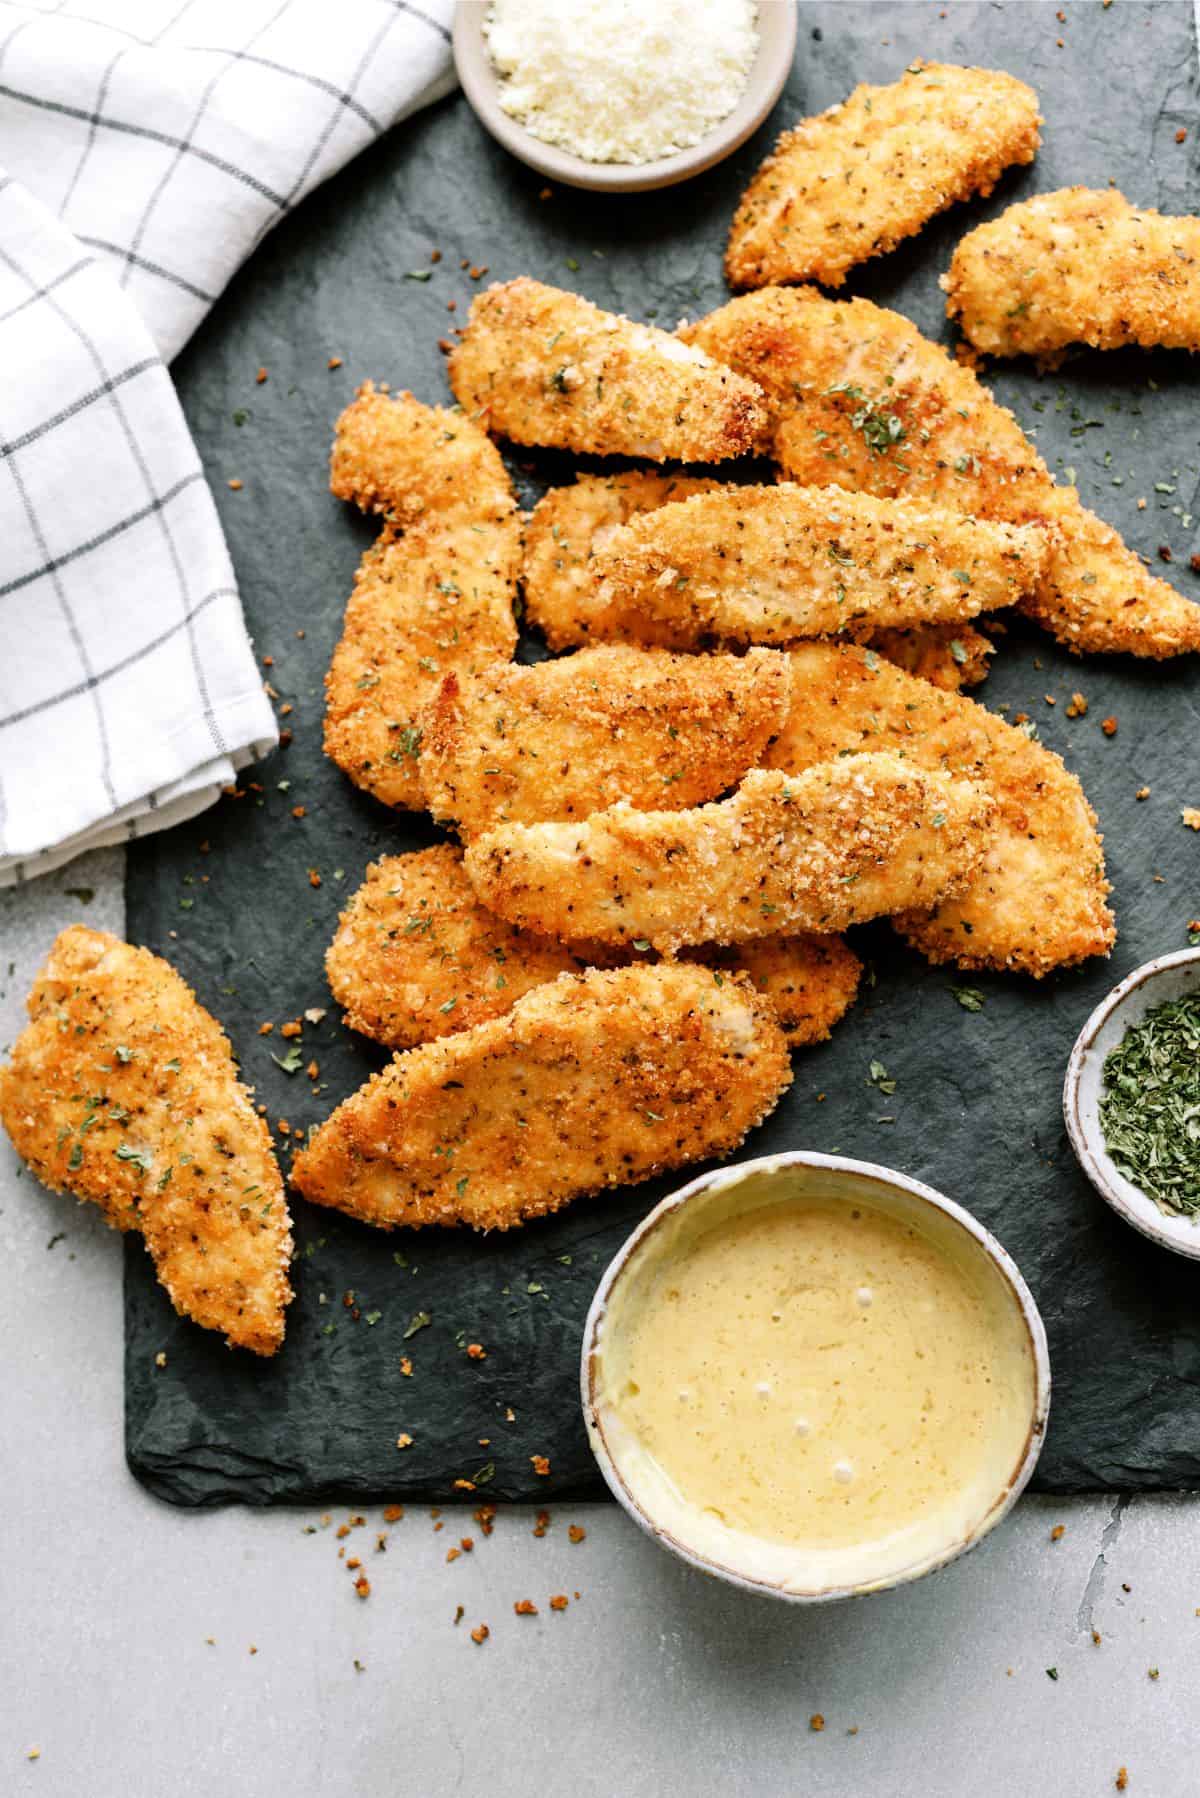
x=774 y=564
x=1077 y=266
x=123 y=1090
x=566 y=738
x=433 y=596
x=811 y=981
x=856 y=180
x=565 y=530
x=1038 y=900
x=818 y=850
x=863 y=400
x=416 y=957
x=571 y=526
x=595 y=1080
x=950 y=656
x=541 y=366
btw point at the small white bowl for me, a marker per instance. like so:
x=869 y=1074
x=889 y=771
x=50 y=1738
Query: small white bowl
x=829 y=1175
x=1166 y=977
x=768 y=72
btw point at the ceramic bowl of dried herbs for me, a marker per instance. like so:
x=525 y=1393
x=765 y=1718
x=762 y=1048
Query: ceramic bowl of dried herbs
x=1132 y=1100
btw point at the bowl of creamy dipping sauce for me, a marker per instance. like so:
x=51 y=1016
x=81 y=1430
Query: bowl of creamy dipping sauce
x=622 y=96
x=814 y=1377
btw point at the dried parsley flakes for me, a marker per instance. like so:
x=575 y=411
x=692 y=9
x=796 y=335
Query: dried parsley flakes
x=1150 y=1105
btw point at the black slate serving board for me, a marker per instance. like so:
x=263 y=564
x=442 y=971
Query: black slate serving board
x=975 y=1110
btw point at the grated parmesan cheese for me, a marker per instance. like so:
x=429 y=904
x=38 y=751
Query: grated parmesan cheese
x=622 y=80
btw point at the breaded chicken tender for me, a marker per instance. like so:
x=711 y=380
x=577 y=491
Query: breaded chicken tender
x=811 y=981
x=124 y=1091
x=416 y=956
x=434 y=595
x=566 y=738
x=1077 y=266
x=565 y=530
x=774 y=564
x=817 y=850
x=863 y=400
x=541 y=366
x=1038 y=900
x=595 y=1080
x=950 y=656
x=856 y=180
x=571 y=526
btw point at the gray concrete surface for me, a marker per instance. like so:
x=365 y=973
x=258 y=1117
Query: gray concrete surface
x=652 y=1682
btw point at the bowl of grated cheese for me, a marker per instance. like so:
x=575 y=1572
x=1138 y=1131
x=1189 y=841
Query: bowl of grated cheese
x=621 y=96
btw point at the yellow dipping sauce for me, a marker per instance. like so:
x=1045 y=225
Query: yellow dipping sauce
x=814 y=1381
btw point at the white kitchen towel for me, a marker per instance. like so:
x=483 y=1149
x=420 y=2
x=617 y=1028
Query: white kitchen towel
x=146 y=146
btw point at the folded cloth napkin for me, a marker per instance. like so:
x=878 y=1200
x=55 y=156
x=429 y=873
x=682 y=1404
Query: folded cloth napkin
x=146 y=146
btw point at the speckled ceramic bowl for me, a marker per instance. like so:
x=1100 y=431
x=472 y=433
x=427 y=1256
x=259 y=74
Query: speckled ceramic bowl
x=826 y=1175
x=480 y=83
x=1167 y=977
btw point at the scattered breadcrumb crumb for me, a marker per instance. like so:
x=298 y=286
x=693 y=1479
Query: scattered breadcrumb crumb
x=404 y=1440
x=476 y=1351
x=816 y=1722
x=260 y=377
x=1078 y=706
x=525 y=1607
x=160 y=1360
x=1109 y=727
x=481 y=1634
x=576 y=1533
x=1191 y=817
x=1122 y=1779
x=235 y=486
x=1142 y=793
x=334 y=362
x=1058 y=1532
x=540 y=1465
x=559 y=1602
x=362 y=1586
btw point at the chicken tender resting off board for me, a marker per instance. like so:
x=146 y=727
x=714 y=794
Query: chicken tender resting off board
x=1037 y=901
x=592 y=1081
x=416 y=957
x=773 y=564
x=123 y=1090
x=863 y=400
x=818 y=850
x=1077 y=266
x=565 y=738
x=435 y=594
x=570 y=527
x=541 y=366
x=856 y=180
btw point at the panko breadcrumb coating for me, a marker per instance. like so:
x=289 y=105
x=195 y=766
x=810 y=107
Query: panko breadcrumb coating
x=571 y=526
x=856 y=180
x=417 y=957
x=566 y=738
x=1038 y=900
x=863 y=400
x=1077 y=266
x=123 y=1090
x=541 y=366
x=774 y=564
x=592 y=1081
x=818 y=850
x=565 y=530
x=811 y=981
x=434 y=595
x=950 y=656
